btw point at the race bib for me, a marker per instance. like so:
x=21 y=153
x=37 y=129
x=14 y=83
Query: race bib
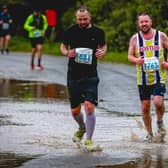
x=83 y=55
x=5 y=26
x=37 y=34
x=151 y=64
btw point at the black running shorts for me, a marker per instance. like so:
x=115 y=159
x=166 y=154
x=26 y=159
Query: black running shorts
x=84 y=89
x=36 y=41
x=145 y=92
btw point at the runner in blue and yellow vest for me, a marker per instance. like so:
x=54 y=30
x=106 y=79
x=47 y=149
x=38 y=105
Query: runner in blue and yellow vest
x=146 y=50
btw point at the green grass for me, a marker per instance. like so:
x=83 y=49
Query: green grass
x=19 y=44
x=116 y=57
x=23 y=45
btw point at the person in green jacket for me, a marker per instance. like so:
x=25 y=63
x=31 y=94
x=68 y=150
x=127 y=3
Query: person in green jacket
x=36 y=25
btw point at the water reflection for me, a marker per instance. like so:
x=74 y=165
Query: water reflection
x=46 y=126
x=11 y=160
x=131 y=164
x=29 y=90
x=148 y=160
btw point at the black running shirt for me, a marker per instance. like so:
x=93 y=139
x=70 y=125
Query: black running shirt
x=76 y=37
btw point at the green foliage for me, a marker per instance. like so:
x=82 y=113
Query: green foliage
x=119 y=18
x=21 y=44
x=115 y=57
x=68 y=18
x=12 y=2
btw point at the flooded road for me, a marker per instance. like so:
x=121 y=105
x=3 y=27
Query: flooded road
x=36 y=126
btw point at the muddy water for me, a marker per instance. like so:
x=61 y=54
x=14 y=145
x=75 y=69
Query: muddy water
x=29 y=90
x=36 y=130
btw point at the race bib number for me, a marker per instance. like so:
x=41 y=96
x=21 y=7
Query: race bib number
x=151 y=64
x=84 y=55
x=37 y=34
x=5 y=26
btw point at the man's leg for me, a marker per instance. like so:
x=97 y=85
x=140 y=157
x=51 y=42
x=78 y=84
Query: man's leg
x=90 y=119
x=160 y=109
x=78 y=117
x=39 y=53
x=6 y=42
x=159 y=106
x=33 y=52
x=146 y=116
x=2 y=44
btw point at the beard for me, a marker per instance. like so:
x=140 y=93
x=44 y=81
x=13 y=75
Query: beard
x=145 y=29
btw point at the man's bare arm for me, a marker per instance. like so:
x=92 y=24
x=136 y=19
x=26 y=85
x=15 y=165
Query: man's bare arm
x=164 y=40
x=131 y=52
x=64 y=49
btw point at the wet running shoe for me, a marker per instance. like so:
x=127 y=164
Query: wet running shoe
x=88 y=143
x=148 y=138
x=161 y=129
x=90 y=147
x=78 y=135
x=39 y=67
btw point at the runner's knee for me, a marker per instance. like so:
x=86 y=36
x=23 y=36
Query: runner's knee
x=76 y=110
x=158 y=101
x=89 y=107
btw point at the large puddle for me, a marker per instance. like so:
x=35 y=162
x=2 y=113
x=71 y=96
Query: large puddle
x=36 y=129
x=29 y=90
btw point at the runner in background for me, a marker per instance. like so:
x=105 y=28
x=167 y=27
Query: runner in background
x=5 y=29
x=51 y=16
x=36 y=25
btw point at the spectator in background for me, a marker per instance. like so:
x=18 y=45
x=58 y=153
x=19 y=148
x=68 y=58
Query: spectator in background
x=5 y=29
x=51 y=16
x=36 y=25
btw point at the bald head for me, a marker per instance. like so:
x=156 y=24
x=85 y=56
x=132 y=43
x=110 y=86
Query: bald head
x=83 y=17
x=83 y=9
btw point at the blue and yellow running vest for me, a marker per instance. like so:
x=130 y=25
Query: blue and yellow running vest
x=151 y=72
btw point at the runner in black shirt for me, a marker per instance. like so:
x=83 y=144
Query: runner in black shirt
x=83 y=43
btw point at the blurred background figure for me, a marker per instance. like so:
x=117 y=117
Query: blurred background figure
x=51 y=16
x=5 y=29
x=36 y=25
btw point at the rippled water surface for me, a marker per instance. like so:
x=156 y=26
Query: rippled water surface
x=36 y=129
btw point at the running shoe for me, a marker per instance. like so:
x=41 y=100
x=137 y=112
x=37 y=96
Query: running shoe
x=78 y=135
x=90 y=147
x=88 y=143
x=39 y=67
x=161 y=129
x=148 y=138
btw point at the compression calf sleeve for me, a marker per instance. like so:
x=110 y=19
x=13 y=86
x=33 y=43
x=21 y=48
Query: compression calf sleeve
x=90 y=124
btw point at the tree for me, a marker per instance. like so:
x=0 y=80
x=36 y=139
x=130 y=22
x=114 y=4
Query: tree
x=119 y=18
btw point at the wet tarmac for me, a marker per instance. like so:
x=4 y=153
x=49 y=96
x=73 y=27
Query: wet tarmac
x=36 y=126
